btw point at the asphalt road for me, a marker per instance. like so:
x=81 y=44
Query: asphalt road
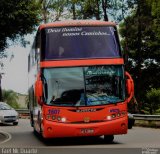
x=138 y=140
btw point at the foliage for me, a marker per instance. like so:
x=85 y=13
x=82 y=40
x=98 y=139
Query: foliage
x=18 y=18
x=82 y=9
x=92 y=9
x=10 y=97
x=141 y=40
x=53 y=10
x=153 y=100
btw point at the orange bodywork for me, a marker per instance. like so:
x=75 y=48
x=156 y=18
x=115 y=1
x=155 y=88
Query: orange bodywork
x=98 y=124
x=75 y=124
x=99 y=120
x=77 y=23
x=87 y=62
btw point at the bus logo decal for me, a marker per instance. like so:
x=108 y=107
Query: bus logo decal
x=53 y=111
x=86 y=119
x=86 y=110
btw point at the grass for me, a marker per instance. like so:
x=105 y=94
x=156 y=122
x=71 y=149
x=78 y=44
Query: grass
x=151 y=124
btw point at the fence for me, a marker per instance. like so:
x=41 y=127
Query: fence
x=147 y=120
x=23 y=113
x=146 y=117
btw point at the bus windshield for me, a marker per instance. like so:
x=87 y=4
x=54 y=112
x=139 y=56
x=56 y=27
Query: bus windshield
x=83 y=86
x=80 y=43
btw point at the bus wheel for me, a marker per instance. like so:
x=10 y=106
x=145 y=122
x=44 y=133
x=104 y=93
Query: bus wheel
x=108 y=138
x=37 y=134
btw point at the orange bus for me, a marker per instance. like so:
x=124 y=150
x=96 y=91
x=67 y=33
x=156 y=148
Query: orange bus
x=77 y=79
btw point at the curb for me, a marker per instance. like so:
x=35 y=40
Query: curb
x=4 y=137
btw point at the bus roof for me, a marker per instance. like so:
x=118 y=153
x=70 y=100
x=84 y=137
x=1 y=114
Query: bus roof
x=69 y=23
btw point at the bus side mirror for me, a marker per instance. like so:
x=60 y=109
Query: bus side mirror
x=129 y=86
x=39 y=90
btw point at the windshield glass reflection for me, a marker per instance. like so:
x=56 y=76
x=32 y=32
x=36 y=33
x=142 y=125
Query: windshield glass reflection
x=80 y=43
x=81 y=86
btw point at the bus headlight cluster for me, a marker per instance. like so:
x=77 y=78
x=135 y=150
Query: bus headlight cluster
x=56 y=118
x=116 y=115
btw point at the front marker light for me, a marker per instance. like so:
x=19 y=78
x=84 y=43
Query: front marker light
x=59 y=118
x=113 y=115
x=53 y=117
x=48 y=117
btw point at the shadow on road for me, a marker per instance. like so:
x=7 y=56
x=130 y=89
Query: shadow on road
x=73 y=141
x=6 y=124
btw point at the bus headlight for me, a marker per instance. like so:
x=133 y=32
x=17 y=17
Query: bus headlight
x=63 y=119
x=109 y=117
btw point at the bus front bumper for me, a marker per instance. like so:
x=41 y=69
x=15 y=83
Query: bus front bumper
x=54 y=129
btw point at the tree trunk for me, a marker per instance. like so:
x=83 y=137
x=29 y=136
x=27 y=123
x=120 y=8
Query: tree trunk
x=104 y=7
x=139 y=52
x=44 y=10
x=74 y=11
x=98 y=10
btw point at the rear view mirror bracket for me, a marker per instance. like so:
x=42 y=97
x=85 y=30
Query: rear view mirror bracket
x=129 y=86
x=39 y=89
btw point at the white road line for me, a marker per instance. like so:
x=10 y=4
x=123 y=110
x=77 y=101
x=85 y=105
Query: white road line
x=9 y=137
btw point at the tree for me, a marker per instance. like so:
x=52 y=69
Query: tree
x=18 y=18
x=93 y=9
x=53 y=10
x=10 y=97
x=153 y=100
x=139 y=31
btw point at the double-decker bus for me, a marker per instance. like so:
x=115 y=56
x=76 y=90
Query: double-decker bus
x=78 y=85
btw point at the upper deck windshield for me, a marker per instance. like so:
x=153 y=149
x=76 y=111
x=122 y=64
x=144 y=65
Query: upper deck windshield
x=83 y=86
x=80 y=43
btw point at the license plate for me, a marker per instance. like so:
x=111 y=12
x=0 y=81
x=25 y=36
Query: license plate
x=87 y=130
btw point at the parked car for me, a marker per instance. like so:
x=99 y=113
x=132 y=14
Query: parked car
x=8 y=114
x=131 y=121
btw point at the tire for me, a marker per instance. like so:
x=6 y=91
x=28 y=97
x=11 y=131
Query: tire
x=108 y=138
x=31 y=119
x=130 y=125
x=15 y=123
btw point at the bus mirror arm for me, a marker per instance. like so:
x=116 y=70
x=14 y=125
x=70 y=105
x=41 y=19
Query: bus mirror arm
x=129 y=86
x=39 y=90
